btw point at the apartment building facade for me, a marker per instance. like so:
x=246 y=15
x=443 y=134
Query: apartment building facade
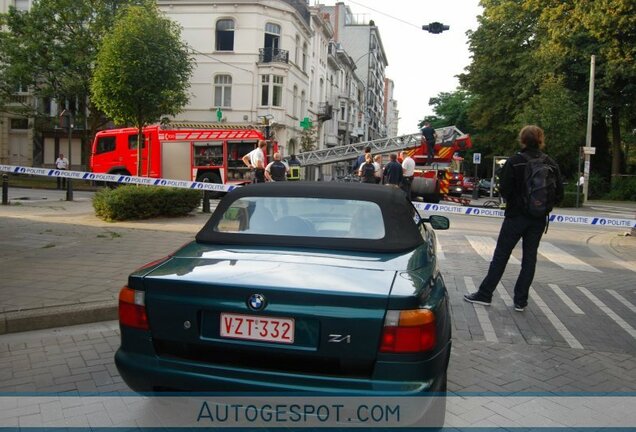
x=360 y=38
x=276 y=62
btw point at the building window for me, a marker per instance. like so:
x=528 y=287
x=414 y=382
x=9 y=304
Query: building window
x=303 y=104
x=275 y=84
x=223 y=91
x=295 y=102
x=22 y=5
x=19 y=124
x=277 y=97
x=265 y=90
x=297 y=50
x=305 y=57
x=225 y=35
x=343 y=111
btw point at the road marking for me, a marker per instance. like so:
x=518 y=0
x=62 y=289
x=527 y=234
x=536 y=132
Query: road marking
x=482 y=315
x=610 y=313
x=564 y=259
x=565 y=299
x=556 y=322
x=598 y=247
x=623 y=300
x=504 y=295
x=485 y=246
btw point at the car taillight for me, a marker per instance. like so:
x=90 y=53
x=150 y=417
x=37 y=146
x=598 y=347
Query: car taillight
x=132 y=308
x=408 y=331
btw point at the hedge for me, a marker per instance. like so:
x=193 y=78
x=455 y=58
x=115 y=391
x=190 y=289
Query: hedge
x=142 y=202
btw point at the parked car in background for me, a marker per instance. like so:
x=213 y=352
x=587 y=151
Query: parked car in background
x=318 y=287
x=484 y=188
x=469 y=184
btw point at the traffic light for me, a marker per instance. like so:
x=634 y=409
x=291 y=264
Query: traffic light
x=435 y=27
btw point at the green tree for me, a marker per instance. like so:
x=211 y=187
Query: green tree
x=607 y=29
x=450 y=109
x=555 y=110
x=502 y=74
x=519 y=49
x=51 y=50
x=143 y=70
x=308 y=139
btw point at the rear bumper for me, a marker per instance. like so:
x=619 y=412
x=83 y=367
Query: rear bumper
x=147 y=373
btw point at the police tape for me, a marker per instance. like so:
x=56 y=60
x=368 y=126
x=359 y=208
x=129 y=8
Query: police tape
x=117 y=178
x=215 y=187
x=554 y=218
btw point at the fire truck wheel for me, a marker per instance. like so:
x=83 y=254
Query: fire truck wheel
x=212 y=177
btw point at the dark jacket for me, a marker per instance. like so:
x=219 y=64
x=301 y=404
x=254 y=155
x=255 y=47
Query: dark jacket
x=512 y=181
x=393 y=173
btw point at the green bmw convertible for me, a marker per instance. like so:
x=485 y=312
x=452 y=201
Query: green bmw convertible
x=294 y=287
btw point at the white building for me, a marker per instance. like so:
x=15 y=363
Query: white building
x=253 y=61
x=360 y=38
x=390 y=109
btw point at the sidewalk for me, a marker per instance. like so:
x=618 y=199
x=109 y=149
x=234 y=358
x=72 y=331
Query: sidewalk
x=61 y=265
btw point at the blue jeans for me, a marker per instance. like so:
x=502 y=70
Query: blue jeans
x=514 y=228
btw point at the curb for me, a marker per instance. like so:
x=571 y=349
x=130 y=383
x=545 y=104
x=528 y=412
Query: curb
x=57 y=316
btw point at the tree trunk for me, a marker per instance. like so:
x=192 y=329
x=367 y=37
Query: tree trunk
x=616 y=143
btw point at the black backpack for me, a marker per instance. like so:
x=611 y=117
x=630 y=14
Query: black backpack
x=540 y=186
x=368 y=173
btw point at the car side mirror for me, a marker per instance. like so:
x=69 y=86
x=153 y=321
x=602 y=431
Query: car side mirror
x=438 y=222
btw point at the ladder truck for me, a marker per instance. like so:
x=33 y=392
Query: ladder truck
x=433 y=182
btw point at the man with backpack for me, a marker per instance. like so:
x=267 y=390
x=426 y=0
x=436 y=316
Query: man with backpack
x=531 y=184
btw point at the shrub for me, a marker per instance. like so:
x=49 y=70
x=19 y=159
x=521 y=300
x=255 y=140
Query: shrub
x=623 y=189
x=139 y=202
x=569 y=199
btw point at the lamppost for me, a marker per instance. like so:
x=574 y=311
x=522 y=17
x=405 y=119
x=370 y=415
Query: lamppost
x=69 y=187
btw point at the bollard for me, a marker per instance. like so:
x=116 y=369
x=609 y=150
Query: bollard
x=206 y=198
x=5 y=189
x=69 y=190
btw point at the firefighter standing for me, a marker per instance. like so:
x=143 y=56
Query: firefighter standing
x=294 y=169
x=256 y=160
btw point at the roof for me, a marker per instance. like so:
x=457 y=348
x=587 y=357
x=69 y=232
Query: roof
x=401 y=233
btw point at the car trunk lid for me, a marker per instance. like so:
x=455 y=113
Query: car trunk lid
x=210 y=310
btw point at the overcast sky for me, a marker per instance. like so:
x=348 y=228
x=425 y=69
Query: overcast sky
x=421 y=64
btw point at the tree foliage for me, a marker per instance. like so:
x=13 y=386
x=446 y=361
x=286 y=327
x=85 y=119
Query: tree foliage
x=308 y=139
x=143 y=69
x=450 y=109
x=531 y=65
x=51 y=50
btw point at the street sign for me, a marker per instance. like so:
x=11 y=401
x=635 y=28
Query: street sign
x=589 y=150
x=476 y=158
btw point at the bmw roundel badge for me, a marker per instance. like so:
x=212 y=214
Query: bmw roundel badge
x=256 y=302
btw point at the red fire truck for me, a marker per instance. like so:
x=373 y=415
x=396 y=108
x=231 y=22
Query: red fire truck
x=443 y=176
x=181 y=151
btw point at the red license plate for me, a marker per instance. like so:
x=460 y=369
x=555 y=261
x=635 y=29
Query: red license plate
x=257 y=328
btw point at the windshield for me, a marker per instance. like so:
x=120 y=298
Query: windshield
x=303 y=217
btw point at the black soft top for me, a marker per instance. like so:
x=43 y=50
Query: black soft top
x=401 y=231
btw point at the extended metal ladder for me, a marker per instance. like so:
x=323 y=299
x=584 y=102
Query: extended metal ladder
x=445 y=136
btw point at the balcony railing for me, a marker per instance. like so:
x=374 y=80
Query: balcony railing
x=325 y=111
x=273 y=55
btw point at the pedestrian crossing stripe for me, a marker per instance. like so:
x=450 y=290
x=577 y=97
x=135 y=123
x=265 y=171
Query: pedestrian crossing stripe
x=486 y=316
